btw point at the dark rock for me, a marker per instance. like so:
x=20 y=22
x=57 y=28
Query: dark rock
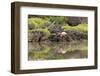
x=74 y=21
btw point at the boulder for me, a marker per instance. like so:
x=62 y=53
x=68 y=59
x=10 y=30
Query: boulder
x=74 y=21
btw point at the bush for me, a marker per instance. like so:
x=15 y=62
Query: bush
x=59 y=19
x=37 y=22
x=80 y=27
x=44 y=31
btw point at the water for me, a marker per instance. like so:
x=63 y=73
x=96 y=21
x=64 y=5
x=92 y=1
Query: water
x=57 y=50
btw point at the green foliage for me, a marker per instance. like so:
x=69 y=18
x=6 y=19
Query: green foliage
x=58 y=19
x=43 y=26
x=80 y=27
x=83 y=27
x=44 y=31
x=37 y=22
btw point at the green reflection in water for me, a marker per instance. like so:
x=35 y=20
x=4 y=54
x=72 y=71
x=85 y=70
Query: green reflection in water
x=56 y=50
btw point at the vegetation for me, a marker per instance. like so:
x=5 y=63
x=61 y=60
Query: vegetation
x=57 y=37
x=80 y=27
x=51 y=27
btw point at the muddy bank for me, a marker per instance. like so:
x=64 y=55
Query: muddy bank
x=70 y=36
x=66 y=36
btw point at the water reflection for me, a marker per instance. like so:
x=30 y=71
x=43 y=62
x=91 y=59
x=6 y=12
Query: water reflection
x=62 y=50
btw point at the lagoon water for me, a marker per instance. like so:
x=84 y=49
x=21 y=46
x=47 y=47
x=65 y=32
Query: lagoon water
x=57 y=50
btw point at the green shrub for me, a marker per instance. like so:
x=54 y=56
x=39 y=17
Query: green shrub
x=44 y=31
x=80 y=27
x=58 y=19
x=37 y=22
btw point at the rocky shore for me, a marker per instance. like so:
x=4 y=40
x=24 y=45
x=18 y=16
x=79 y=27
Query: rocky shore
x=66 y=36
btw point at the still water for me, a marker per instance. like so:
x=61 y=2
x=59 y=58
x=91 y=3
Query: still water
x=57 y=50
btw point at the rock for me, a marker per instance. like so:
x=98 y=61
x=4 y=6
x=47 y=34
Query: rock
x=74 y=21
